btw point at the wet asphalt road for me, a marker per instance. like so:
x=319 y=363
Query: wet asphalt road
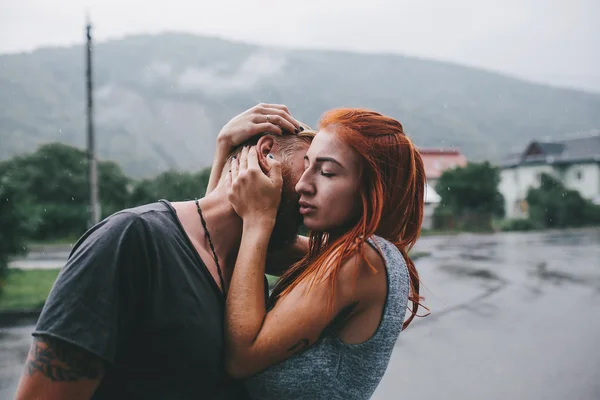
x=514 y=316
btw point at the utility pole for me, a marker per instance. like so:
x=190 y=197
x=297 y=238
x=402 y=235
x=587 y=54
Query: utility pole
x=94 y=210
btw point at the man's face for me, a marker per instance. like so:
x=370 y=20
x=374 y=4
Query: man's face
x=289 y=218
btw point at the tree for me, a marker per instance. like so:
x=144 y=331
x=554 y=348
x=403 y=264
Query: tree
x=552 y=205
x=54 y=189
x=471 y=194
x=15 y=221
x=171 y=185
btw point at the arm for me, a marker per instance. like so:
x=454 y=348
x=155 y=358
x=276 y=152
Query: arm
x=219 y=161
x=256 y=339
x=59 y=370
x=91 y=306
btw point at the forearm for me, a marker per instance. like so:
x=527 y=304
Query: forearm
x=245 y=308
x=219 y=161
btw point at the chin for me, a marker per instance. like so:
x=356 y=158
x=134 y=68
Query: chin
x=313 y=224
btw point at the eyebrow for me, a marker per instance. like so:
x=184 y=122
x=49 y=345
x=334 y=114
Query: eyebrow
x=326 y=159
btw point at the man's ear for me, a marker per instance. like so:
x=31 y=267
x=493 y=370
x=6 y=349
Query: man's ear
x=264 y=146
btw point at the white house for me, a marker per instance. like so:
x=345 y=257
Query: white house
x=436 y=161
x=432 y=199
x=575 y=161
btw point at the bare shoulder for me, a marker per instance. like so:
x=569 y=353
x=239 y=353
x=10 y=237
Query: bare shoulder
x=365 y=276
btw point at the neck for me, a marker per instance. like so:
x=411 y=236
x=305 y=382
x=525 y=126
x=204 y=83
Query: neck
x=224 y=226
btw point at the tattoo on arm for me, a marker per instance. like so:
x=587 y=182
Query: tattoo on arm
x=301 y=345
x=62 y=362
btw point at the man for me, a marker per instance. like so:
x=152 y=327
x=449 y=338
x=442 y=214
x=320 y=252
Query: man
x=137 y=311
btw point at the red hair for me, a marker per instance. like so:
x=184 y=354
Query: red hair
x=392 y=193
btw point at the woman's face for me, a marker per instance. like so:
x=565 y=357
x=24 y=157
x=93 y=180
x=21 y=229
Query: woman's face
x=329 y=187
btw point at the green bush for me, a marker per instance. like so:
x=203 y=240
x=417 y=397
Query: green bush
x=519 y=224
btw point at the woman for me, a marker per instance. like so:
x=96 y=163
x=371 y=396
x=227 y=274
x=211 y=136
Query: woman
x=333 y=317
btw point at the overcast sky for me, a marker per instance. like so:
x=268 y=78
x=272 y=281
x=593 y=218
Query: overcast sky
x=552 y=41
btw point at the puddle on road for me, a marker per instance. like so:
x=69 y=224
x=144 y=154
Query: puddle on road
x=468 y=272
x=556 y=277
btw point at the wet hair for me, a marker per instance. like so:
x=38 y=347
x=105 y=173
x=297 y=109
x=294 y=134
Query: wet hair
x=392 y=192
x=287 y=143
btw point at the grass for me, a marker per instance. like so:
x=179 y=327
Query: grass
x=51 y=243
x=26 y=289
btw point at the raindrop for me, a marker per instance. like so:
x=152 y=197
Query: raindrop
x=60 y=130
x=72 y=199
x=44 y=210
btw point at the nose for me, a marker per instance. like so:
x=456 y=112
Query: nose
x=304 y=186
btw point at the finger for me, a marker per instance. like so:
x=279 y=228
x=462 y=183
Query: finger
x=266 y=127
x=244 y=159
x=281 y=107
x=275 y=171
x=285 y=121
x=234 y=168
x=277 y=117
x=286 y=117
x=253 y=159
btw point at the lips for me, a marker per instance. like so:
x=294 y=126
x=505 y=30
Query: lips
x=306 y=208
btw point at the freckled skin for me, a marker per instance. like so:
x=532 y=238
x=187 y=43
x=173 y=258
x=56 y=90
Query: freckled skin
x=330 y=183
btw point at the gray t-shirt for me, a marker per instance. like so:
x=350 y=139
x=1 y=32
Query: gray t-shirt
x=334 y=370
x=135 y=293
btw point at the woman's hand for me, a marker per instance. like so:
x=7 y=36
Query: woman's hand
x=262 y=118
x=254 y=194
x=269 y=118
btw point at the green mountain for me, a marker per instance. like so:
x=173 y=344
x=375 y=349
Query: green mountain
x=160 y=100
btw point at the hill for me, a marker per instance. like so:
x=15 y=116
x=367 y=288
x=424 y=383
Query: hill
x=161 y=99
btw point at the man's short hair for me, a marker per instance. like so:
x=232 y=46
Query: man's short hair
x=287 y=143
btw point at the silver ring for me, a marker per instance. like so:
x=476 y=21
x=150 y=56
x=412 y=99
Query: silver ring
x=268 y=117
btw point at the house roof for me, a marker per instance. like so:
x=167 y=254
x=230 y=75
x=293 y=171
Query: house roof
x=436 y=161
x=583 y=147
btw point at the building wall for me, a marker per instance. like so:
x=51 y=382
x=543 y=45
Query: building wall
x=514 y=184
x=585 y=178
x=428 y=210
x=516 y=181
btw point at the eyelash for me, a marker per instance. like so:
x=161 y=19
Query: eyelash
x=325 y=174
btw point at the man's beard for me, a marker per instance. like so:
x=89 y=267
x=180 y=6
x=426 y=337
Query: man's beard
x=289 y=219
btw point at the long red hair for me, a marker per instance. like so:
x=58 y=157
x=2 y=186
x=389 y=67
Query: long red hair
x=392 y=194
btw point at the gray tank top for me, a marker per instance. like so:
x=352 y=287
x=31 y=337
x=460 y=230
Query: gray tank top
x=332 y=369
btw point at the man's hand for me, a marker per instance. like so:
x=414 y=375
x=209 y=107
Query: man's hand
x=59 y=370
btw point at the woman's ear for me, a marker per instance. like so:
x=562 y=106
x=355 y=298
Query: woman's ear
x=264 y=147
